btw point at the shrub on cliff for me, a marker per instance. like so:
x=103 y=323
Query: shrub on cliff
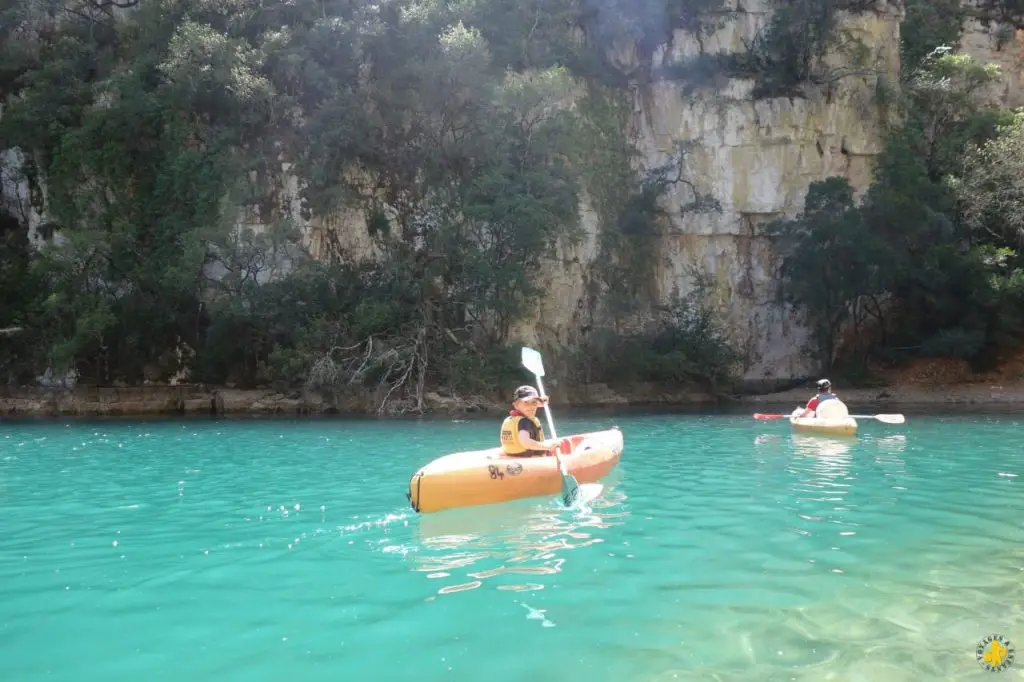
x=680 y=344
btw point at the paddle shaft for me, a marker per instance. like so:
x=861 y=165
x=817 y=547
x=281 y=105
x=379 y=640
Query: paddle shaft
x=551 y=426
x=570 y=486
x=547 y=410
x=567 y=485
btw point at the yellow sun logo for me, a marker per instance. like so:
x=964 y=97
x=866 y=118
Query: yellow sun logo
x=995 y=653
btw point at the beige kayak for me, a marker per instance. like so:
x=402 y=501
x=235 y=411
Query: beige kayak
x=464 y=479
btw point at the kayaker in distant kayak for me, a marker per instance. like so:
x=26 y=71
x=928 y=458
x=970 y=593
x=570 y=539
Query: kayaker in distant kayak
x=521 y=433
x=824 y=387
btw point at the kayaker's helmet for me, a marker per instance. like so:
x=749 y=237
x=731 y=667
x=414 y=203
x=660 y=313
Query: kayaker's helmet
x=525 y=393
x=824 y=385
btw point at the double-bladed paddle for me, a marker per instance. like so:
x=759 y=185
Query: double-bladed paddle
x=887 y=418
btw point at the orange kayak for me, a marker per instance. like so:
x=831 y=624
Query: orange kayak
x=465 y=479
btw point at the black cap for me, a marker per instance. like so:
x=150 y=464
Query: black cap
x=824 y=384
x=525 y=393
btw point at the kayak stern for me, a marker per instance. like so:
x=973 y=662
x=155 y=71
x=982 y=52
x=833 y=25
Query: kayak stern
x=829 y=427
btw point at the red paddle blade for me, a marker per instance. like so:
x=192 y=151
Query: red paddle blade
x=765 y=417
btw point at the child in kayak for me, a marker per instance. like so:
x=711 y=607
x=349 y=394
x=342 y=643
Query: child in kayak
x=522 y=434
x=825 y=393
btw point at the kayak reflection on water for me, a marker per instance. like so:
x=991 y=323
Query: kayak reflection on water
x=463 y=547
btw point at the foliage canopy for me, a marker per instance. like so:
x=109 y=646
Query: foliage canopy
x=158 y=139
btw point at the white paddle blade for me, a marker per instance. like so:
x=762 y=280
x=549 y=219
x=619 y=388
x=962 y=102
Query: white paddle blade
x=532 y=361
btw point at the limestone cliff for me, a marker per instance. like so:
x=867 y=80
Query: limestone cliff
x=1003 y=45
x=756 y=157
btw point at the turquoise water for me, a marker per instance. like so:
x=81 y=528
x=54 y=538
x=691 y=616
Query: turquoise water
x=720 y=549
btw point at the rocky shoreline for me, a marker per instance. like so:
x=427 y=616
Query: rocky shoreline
x=980 y=393
x=153 y=400
x=156 y=400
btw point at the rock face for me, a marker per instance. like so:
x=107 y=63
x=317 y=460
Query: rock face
x=999 y=44
x=756 y=158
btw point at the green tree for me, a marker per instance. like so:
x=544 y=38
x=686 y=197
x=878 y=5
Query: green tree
x=833 y=268
x=991 y=188
x=926 y=265
x=913 y=208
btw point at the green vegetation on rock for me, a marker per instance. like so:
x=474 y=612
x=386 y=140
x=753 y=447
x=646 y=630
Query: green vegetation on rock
x=929 y=263
x=157 y=139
